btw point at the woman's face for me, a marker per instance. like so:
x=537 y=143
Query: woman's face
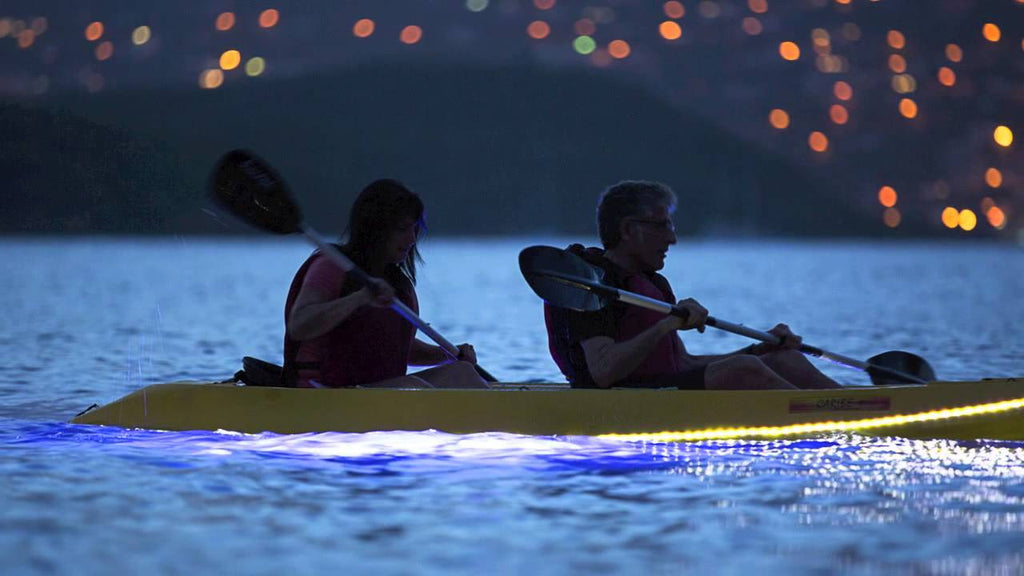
x=401 y=240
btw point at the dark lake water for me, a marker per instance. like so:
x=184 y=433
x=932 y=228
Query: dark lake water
x=88 y=320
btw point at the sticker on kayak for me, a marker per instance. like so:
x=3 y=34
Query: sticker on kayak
x=836 y=404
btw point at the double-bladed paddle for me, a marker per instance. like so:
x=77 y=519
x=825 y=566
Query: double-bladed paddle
x=252 y=190
x=565 y=280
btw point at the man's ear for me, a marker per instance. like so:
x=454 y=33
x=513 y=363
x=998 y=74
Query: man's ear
x=626 y=229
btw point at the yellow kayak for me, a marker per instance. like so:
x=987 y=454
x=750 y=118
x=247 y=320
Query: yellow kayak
x=984 y=409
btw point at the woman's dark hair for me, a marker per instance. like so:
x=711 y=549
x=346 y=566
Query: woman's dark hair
x=380 y=208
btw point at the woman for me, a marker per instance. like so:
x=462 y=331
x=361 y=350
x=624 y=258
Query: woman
x=340 y=334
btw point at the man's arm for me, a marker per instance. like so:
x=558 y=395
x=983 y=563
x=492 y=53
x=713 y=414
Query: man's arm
x=609 y=361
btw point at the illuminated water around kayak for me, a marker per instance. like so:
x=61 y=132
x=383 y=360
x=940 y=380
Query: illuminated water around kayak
x=91 y=320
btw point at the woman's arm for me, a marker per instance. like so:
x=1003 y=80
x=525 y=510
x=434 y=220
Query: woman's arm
x=316 y=313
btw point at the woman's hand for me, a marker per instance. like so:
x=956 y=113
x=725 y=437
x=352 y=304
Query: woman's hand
x=377 y=293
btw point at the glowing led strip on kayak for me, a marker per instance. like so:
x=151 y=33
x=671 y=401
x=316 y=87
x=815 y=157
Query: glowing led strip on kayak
x=815 y=427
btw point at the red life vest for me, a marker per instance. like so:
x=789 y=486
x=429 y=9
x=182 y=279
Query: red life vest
x=628 y=321
x=369 y=346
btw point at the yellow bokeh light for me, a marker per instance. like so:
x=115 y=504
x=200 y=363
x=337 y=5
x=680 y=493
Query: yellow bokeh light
x=141 y=35
x=789 y=51
x=954 y=53
x=991 y=32
x=818 y=141
x=950 y=217
x=904 y=84
x=968 y=219
x=752 y=26
x=908 y=108
x=94 y=31
x=838 y=114
x=891 y=217
x=897 y=63
x=895 y=39
x=1003 y=136
x=887 y=196
x=225 y=21
x=411 y=34
x=538 y=29
x=230 y=59
x=996 y=217
x=269 y=18
x=674 y=9
x=946 y=76
x=618 y=49
x=104 y=50
x=842 y=90
x=211 y=79
x=993 y=177
x=779 y=118
x=821 y=37
x=758 y=6
x=363 y=28
x=255 y=66
x=669 y=30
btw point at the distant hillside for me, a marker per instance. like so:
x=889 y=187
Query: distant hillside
x=492 y=151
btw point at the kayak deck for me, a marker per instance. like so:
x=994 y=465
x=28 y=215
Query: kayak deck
x=984 y=409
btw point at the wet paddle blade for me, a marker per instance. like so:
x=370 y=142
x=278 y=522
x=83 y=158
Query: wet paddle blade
x=898 y=361
x=536 y=261
x=249 y=188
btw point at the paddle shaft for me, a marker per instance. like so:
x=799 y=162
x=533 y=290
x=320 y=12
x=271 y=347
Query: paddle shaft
x=397 y=305
x=666 y=308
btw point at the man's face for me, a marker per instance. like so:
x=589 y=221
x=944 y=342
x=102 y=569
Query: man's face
x=647 y=237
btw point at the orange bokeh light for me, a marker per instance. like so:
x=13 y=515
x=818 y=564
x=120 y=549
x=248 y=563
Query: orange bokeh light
x=26 y=38
x=838 y=114
x=538 y=29
x=954 y=53
x=94 y=31
x=895 y=39
x=674 y=9
x=544 y=4
x=991 y=32
x=779 y=118
x=946 y=76
x=269 y=18
x=908 y=108
x=230 y=59
x=897 y=63
x=669 y=30
x=891 y=217
x=996 y=217
x=842 y=90
x=618 y=49
x=950 y=217
x=752 y=26
x=411 y=34
x=887 y=196
x=585 y=27
x=104 y=50
x=993 y=177
x=758 y=6
x=817 y=141
x=789 y=51
x=225 y=21
x=363 y=28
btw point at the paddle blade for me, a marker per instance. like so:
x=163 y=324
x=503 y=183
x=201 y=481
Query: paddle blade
x=249 y=188
x=903 y=362
x=536 y=260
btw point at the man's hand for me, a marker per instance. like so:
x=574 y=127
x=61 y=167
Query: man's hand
x=696 y=318
x=467 y=353
x=787 y=340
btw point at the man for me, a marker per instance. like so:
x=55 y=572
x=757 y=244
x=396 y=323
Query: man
x=628 y=346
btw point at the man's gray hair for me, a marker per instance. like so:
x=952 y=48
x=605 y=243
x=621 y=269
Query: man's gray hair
x=627 y=199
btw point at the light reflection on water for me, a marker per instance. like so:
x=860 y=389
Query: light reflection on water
x=92 y=320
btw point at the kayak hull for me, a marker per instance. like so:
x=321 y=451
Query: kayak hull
x=985 y=409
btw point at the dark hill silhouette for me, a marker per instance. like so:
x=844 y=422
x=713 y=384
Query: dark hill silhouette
x=492 y=151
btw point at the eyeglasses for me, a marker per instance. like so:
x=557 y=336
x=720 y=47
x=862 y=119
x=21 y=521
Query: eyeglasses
x=666 y=225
